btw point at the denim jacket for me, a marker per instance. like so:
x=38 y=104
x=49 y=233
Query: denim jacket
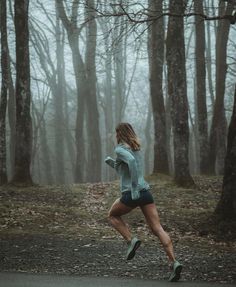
x=128 y=165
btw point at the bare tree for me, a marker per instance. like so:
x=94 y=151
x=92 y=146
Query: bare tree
x=4 y=88
x=201 y=107
x=156 y=61
x=175 y=53
x=209 y=58
x=147 y=156
x=59 y=103
x=11 y=116
x=218 y=131
x=107 y=101
x=80 y=79
x=23 y=96
x=94 y=149
x=86 y=91
x=226 y=207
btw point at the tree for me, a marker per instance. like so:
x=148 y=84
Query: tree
x=175 y=55
x=147 y=155
x=94 y=149
x=201 y=107
x=226 y=207
x=156 y=61
x=80 y=79
x=58 y=100
x=106 y=102
x=4 y=88
x=119 y=43
x=86 y=97
x=23 y=96
x=218 y=131
x=209 y=58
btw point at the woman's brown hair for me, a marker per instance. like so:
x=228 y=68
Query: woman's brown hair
x=126 y=133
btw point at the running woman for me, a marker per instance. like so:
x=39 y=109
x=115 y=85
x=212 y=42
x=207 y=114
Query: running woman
x=135 y=192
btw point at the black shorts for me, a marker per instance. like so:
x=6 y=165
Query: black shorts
x=145 y=198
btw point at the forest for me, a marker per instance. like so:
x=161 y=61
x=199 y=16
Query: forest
x=72 y=70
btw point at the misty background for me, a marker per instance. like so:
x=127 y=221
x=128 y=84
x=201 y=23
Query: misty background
x=104 y=45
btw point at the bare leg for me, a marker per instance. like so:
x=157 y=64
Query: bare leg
x=117 y=210
x=153 y=220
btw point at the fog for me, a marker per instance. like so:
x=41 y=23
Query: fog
x=120 y=81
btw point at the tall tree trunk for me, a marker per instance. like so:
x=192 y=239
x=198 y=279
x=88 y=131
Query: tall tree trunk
x=226 y=207
x=147 y=155
x=80 y=79
x=59 y=115
x=156 y=60
x=217 y=139
x=107 y=103
x=69 y=138
x=4 y=88
x=169 y=137
x=119 y=67
x=177 y=88
x=202 y=123
x=108 y=106
x=35 y=154
x=94 y=139
x=45 y=151
x=23 y=96
x=209 y=59
x=195 y=133
x=11 y=116
x=11 y=105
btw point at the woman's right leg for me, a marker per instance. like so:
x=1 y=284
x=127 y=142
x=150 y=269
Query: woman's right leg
x=153 y=220
x=117 y=210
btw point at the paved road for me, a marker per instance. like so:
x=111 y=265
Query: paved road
x=33 y=280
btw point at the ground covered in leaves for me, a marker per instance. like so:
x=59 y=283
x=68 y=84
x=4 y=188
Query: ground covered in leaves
x=64 y=229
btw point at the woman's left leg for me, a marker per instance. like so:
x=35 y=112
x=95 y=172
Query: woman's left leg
x=151 y=214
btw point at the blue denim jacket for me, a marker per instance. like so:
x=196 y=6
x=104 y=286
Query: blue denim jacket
x=128 y=165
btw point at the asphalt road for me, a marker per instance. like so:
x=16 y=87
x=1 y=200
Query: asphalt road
x=8 y=279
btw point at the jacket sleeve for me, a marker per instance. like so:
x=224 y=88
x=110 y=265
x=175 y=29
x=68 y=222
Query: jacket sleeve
x=128 y=158
x=110 y=161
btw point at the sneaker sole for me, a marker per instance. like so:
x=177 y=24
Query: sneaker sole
x=132 y=253
x=177 y=274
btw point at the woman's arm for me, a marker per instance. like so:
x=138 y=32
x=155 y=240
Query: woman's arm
x=110 y=161
x=128 y=158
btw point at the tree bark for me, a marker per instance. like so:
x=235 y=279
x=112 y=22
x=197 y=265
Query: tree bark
x=175 y=53
x=4 y=89
x=147 y=155
x=202 y=124
x=23 y=96
x=46 y=159
x=107 y=103
x=94 y=140
x=156 y=61
x=217 y=139
x=11 y=117
x=209 y=59
x=80 y=79
x=59 y=114
x=119 y=46
x=226 y=207
x=109 y=121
